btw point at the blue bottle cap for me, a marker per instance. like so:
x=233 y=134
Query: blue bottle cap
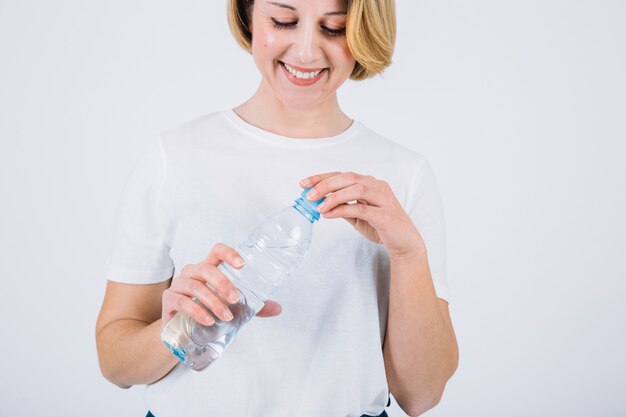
x=312 y=203
x=308 y=205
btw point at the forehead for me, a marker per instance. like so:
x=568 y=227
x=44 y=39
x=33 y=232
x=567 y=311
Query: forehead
x=323 y=6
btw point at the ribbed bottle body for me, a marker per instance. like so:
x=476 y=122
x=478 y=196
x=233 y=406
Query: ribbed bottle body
x=274 y=248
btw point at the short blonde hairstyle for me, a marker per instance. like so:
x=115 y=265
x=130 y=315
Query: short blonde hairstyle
x=370 y=32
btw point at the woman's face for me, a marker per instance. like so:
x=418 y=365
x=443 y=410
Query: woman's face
x=300 y=49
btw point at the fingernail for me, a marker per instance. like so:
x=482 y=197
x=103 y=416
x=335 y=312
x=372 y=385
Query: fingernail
x=228 y=316
x=304 y=182
x=208 y=320
x=233 y=296
x=238 y=261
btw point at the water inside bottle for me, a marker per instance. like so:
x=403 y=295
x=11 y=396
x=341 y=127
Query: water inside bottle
x=271 y=252
x=204 y=344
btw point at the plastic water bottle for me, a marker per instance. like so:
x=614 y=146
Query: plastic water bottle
x=274 y=248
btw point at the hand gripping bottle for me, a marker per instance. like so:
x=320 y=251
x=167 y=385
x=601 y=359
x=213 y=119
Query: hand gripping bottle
x=274 y=248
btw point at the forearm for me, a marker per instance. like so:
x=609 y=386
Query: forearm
x=419 y=348
x=131 y=352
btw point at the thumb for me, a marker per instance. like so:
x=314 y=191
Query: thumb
x=270 y=309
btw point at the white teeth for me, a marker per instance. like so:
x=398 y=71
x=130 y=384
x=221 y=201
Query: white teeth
x=302 y=75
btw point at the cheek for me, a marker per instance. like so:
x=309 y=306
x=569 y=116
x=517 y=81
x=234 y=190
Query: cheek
x=269 y=40
x=264 y=43
x=347 y=55
x=342 y=55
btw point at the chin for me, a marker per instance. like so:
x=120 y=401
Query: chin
x=300 y=101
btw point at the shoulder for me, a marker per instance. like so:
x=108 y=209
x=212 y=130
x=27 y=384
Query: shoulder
x=201 y=135
x=197 y=128
x=391 y=150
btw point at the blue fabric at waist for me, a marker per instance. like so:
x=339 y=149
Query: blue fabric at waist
x=383 y=414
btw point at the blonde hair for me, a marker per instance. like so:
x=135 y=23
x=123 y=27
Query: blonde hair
x=370 y=32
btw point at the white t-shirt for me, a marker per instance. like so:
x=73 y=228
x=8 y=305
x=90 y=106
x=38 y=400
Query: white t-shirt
x=211 y=180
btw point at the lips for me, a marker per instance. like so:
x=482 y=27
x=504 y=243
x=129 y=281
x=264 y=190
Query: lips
x=301 y=81
x=301 y=69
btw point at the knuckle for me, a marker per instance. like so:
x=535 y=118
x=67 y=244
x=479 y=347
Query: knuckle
x=218 y=247
x=361 y=188
x=352 y=176
x=169 y=296
x=225 y=286
x=197 y=287
x=178 y=303
x=206 y=270
x=187 y=270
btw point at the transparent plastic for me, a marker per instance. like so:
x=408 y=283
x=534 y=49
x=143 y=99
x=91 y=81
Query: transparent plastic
x=274 y=248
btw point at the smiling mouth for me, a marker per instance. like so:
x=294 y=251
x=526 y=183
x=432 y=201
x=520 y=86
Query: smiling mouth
x=302 y=75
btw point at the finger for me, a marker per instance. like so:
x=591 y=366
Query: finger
x=221 y=252
x=314 y=179
x=199 y=290
x=173 y=302
x=210 y=286
x=270 y=309
x=368 y=190
x=353 y=193
x=351 y=220
x=213 y=277
x=218 y=282
x=373 y=215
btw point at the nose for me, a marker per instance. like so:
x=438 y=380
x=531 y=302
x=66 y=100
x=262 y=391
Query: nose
x=308 y=44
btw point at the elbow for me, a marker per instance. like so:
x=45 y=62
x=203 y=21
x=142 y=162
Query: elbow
x=109 y=373
x=108 y=369
x=421 y=407
x=427 y=401
x=418 y=405
x=431 y=401
x=114 y=379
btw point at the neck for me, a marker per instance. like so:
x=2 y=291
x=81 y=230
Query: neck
x=265 y=111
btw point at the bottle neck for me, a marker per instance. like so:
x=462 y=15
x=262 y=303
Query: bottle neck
x=304 y=208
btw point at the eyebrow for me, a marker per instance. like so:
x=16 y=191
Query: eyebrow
x=287 y=6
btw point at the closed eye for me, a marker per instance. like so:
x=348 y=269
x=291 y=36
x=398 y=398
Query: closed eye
x=279 y=24
x=285 y=25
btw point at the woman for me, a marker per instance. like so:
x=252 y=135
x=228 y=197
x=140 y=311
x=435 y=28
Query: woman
x=365 y=315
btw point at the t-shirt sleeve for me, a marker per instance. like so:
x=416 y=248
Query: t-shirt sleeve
x=140 y=254
x=426 y=211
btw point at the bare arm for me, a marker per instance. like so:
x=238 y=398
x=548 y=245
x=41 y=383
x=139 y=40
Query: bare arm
x=128 y=331
x=128 y=334
x=420 y=350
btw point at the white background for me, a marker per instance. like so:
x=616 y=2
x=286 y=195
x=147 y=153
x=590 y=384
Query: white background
x=519 y=106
